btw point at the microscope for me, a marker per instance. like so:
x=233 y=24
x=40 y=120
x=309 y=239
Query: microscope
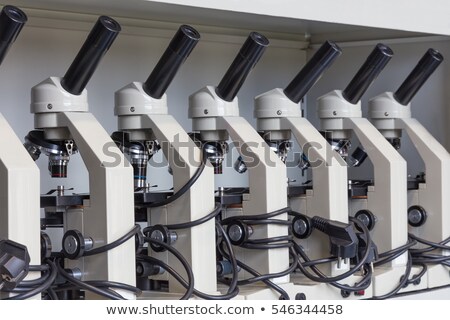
x=428 y=203
x=256 y=220
x=19 y=176
x=146 y=127
x=380 y=204
x=279 y=115
x=98 y=228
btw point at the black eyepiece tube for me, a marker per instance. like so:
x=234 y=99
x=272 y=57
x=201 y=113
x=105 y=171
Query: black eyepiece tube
x=182 y=44
x=249 y=55
x=91 y=53
x=368 y=72
x=420 y=74
x=12 y=20
x=312 y=71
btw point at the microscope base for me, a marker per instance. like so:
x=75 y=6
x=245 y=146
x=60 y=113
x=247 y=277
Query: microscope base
x=322 y=291
x=438 y=276
x=385 y=280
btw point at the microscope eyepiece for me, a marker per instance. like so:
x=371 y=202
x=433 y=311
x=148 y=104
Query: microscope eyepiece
x=312 y=71
x=184 y=40
x=12 y=20
x=250 y=53
x=181 y=46
x=368 y=72
x=88 y=58
x=418 y=76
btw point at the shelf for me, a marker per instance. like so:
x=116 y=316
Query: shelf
x=345 y=20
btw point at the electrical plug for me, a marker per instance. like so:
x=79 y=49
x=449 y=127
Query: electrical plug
x=14 y=264
x=362 y=246
x=343 y=238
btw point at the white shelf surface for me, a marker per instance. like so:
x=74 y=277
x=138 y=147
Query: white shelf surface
x=343 y=20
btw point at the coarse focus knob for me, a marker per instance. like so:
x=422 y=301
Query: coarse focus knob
x=301 y=227
x=417 y=216
x=367 y=218
x=239 y=232
x=163 y=234
x=74 y=244
x=46 y=246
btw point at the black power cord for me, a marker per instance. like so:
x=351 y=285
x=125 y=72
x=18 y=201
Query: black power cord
x=40 y=288
x=191 y=224
x=115 y=243
x=30 y=288
x=233 y=290
x=255 y=273
x=269 y=276
x=258 y=217
x=344 y=275
x=81 y=284
x=101 y=284
x=186 y=187
x=35 y=282
x=179 y=256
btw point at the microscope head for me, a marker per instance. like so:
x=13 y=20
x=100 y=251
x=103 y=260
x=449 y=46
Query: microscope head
x=285 y=103
x=67 y=94
x=337 y=105
x=149 y=98
x=388 y=106
x=210 y=102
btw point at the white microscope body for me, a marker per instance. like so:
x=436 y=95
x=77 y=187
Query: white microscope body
x=61 y=111
x=429 y=204
x=215 y=115
x=143 y=114
x=19 y=175
x=278 y=114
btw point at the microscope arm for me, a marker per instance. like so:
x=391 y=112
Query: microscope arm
x=268 y=190
x=267 y=173
x=389 y=177
x=184 y=157
x=110 y=213
x=434 y=194
x=19 y=194
x=329 y=169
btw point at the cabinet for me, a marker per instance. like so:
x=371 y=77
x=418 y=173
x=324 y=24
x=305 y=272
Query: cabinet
x=57 y=28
